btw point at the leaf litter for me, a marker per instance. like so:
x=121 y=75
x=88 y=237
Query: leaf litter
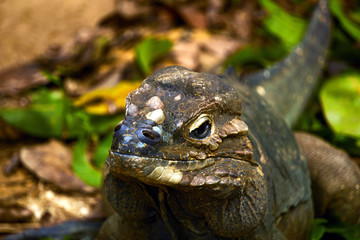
x=76 y=93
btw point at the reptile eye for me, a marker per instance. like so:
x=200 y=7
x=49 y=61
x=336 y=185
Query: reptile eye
x=201 y=129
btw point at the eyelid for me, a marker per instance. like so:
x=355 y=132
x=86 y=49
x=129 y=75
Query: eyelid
x=200 y=120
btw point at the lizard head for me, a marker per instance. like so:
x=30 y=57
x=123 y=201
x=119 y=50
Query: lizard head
x=183 y=129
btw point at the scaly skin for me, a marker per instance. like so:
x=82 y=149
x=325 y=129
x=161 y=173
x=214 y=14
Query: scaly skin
x=288 y=84
x=227 y=170
x=204 y=156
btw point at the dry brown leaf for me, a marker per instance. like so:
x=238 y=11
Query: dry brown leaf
x=214 y=12
x=14 y=213
x=242 y=22
x=76 y=88
x=130 y=9
x=193 y=17
x=8 y=132
x=221 y=47
x=186 y=54
x=32 y=203
x=18 y=79
x=47 y=207
x=51 y=162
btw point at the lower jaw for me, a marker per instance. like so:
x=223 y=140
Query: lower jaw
x=194 y=174
x=154 y=171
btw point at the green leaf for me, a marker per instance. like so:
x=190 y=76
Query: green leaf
x=340 y=100
x=51 y=77
x=51 y=114
x=101 y=44
x=255 y=55
x=317 y=228
x=355 y=15
x=344 y=48
x=82 y=167
x=287 y=28
x=350 y=27
x=150 y=50
x=348 y=232
x=309 y=121
x=333 y=228
x=102 y=151
x=44 y=118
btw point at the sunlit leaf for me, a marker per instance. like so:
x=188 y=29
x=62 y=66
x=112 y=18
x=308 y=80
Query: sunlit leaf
x=44 y=118
x=288 y=28
x=102 y=150
x=109 y=100
x=150 y=50
x=349 y=26
x=340 y=99
x=51 y=114
x=80 y=123
x=82 y=167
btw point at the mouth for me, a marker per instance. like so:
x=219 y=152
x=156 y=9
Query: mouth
x=217 y=176
x=155 y=170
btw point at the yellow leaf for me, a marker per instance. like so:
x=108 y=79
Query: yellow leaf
x=107 y=100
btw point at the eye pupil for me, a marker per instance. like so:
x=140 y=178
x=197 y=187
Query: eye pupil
x=203 y=131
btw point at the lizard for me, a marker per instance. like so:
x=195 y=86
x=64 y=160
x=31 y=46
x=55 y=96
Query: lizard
x=211 y=156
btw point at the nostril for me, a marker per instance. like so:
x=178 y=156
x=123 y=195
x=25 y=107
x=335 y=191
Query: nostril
x=117 y=128
x=148 y=136
x=152 y=135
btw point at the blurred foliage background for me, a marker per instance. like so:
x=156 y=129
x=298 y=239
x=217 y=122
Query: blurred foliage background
x=76 y=92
